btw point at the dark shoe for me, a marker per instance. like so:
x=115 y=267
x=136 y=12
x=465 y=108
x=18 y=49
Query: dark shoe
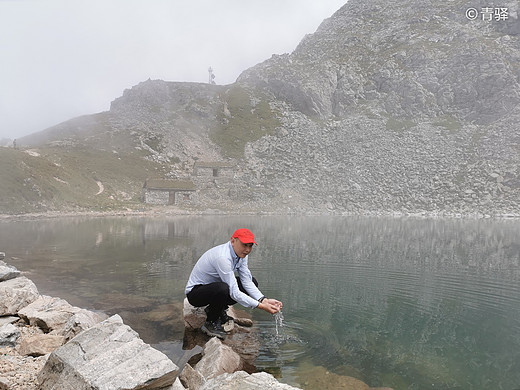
x=225 y=318
x=214 y=329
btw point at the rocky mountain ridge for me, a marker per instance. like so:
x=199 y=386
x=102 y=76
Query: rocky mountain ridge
x=389 y=107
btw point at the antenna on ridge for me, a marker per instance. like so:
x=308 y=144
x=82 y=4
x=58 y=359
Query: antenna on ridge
x=211 y=76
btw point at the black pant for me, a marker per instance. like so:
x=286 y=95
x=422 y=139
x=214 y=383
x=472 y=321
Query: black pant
x=215 y=295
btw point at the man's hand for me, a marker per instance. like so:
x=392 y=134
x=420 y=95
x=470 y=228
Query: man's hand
x=270 y=305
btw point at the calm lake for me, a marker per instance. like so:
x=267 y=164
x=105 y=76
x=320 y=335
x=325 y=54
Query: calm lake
x=404 y=303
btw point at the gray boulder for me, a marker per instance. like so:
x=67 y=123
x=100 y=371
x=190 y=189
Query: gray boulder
x=40 y=344
x=8 y=335
x=80 y=321
x=240 y=317
x=217 y=359
x=243 y=381
x=7 y=271
x=8 y=320
x=109 y=355
x=15 y=294
x=191 y=378
x=194 y=317
x=48 y=313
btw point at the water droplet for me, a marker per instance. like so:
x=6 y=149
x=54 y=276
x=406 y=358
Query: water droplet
x=278 y=320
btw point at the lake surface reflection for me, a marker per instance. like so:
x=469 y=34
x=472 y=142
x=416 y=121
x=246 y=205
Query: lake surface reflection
x=404 y=303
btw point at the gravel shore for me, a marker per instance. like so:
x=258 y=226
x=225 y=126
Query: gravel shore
x=16 y=370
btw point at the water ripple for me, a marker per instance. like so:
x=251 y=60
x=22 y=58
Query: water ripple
x=280 y=345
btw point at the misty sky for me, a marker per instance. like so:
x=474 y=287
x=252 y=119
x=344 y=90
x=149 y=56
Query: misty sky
x=63 y=58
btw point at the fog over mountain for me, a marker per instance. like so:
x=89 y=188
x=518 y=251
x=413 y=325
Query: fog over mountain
x=389 y=107
x=66 y=58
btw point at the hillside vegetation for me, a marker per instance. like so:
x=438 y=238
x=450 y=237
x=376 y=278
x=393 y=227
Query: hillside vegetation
x=71 y=178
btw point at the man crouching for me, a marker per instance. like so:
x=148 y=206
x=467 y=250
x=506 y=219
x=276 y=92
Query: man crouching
x=213 y=283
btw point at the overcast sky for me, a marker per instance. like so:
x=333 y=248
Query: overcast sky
x=63 y=58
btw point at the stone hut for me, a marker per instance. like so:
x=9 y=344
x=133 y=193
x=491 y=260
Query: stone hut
x=213 y=169
x=163 y=191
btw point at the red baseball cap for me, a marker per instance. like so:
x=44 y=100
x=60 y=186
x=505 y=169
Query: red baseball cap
x=245 y=236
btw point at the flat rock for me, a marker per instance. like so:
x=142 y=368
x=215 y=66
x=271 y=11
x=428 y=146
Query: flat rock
x=15 y=294
x=241 y=317
x=7 y=271
x=48 y=313
x=194 y=317
x=243 y=381
x=40 y=344
x=109 y=355
x=8 y=320
x=318 y=377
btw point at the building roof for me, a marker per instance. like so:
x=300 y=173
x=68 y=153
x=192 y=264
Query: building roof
x=167 y=185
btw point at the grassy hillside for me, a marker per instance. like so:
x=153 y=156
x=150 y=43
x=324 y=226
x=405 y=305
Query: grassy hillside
x=96 y=130
x=55 y=178
x=250 y=118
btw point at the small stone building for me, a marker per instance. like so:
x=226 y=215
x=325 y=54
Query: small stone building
x=163 y=191
x=213 y=169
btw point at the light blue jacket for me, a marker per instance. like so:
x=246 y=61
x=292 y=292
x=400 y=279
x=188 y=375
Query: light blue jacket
x=219 y=264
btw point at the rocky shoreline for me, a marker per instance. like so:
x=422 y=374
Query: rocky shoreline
x=153 y=211
x=45 y=343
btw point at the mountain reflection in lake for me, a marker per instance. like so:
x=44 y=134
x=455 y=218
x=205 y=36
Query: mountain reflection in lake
x=403 y=303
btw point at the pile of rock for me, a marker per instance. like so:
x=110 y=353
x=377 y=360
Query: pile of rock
x=45 y=343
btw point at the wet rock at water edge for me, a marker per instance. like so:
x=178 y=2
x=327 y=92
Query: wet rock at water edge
x=108 y=355
x=217 y=359
x=242 y=380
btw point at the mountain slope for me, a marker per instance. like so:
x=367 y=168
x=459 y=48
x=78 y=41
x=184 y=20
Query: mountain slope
x=389 y=107
x=396 y=107
x=406 y=59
